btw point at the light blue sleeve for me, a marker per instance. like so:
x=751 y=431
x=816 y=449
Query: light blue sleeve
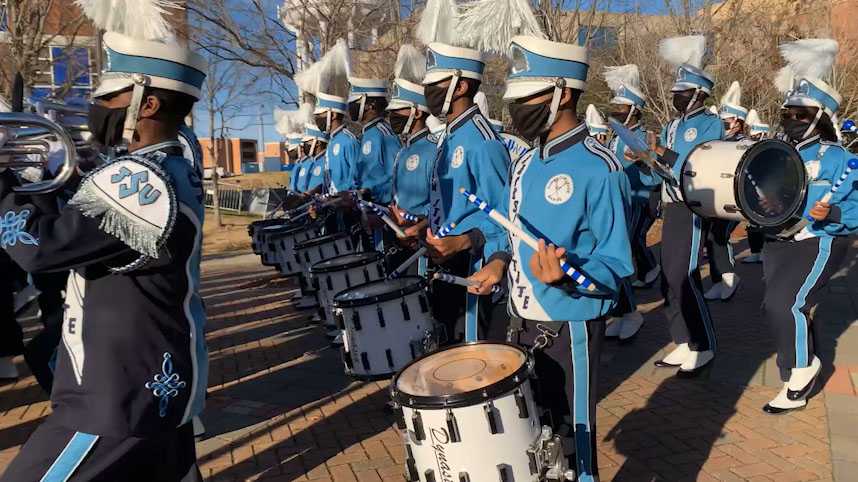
x=499 y=243
x=611 y=259
x=491 y=173
x=845 y=200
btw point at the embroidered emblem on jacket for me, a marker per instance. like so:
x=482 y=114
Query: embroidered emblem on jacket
x=336 y=149
x=690 y=134
x=165 y=385
x=412 y=162
x=12 y=229
x=458 y=157
x=367 y=148
x=559 y=188
x=317 y=171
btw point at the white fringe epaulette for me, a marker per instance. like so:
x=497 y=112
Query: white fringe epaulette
x=144 y=237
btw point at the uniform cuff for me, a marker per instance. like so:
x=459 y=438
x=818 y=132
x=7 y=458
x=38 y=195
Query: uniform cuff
x=477 y=242
x=834 y=215
x=501 y=255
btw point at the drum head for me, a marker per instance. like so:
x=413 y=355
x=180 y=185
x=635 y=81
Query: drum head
x=346 y=262
x=771 y=183
x=462 y=374
x=379 y=291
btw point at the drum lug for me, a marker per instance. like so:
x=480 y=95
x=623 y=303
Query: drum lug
x=492 y=418
x=380 y=316
x=348 y=280
x=336 y=250
x=727 y=175
x=731 y=208
x=413 y=474
x=406 y=315
x=464 y=477
x=356 y=321
x=417 y=424
x=389 y=355
x=347 y=359
x=521 y=402
x=364 y=360
x=380 y=269
x=689 y=173
x=505 y=473
x=349 y=245
x=366 y=275
x=329 y=283
x=306 y=257
x=453 y=427
x=400 y=418
x=424 y=305
x=430 y=475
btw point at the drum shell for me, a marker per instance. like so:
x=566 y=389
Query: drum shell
x=708 y=180
x=333 y=282
x=308 y=255
x=285 y=247
x=479 y=452
x=262 y=242
x=381 y=338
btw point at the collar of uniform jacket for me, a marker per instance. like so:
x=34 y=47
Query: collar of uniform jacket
x=417 y=136
x=807 y=142
x=172 y=148
x=337 y=130
x=369 y=125
x=463 y=117
x=695 y=112
x=564 y=141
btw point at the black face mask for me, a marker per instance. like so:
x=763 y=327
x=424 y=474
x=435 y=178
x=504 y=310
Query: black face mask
x=322 y=122
x=681 y=100
x=795 y=129
x=529 y=120
x=398 y=122
x=435 y=97
x=354 y=111
x=106 y=124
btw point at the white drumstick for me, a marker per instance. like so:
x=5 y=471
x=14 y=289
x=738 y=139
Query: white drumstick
x=499 y=218
x=852 y=164
x=444 y=231
x=458 y=280
x=378 y=211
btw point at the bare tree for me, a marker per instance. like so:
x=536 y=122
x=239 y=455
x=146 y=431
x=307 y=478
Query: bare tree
x=34 y=26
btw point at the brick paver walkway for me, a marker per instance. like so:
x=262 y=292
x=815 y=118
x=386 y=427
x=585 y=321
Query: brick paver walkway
x=281 y=409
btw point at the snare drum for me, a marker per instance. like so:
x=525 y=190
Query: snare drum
x=284 y=245
x=385 y=324
x=265 y=244
x=338 y=274
x=254 y=230
x=763 y=183
x=318 y=249
x=467 y=413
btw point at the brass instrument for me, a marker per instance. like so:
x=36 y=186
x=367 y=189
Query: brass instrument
x=26 y=140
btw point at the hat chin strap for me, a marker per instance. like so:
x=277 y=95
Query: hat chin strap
x=692 y=101
x=362 y=107
x=555 y=103
x=313 y=147
x=328 y=115
x=133 y=111
x=448 y=99
x=813 y=124
x=407 y=129
x=629 y=115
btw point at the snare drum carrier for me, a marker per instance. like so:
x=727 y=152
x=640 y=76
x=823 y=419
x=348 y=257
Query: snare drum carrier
x=763 y=183
x=386 y=324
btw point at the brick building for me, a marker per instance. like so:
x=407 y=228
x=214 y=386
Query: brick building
x=235 y=156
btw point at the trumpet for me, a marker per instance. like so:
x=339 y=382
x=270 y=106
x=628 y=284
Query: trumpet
x=30 y=140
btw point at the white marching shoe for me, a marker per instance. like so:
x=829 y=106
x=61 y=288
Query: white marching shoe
x=782 y=404
x=729 y=285
x=714 y=293
x=613 y=327
x=695 y=363
x=753 y=258
x=631 y=324
x=8 y=370
x=801 y=380
x=675 y=358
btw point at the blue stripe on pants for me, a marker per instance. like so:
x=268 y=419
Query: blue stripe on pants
x=71 y=457
x=801 y=348
x=581 y=400
x=696 y=234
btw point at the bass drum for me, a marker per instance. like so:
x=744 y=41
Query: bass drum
x=763 y=183
x=468 y=413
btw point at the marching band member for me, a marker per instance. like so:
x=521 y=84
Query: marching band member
x=691 y=324
x=798 y=266
x=125 y=391
x=316 y=174
x=379 y=144
x=757 y=130
x=11 y=336
x=470 y=156
x=516 y=146
x=569 y=176
x=627 y=107
x=725 y=281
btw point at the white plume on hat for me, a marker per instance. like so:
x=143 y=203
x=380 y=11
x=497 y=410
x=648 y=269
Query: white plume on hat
x=140 y=19
x=329 y=75
x=594 y=119
x=438 y=22
x=410 y=64
x=713 y=109
x=688 y=50
x=754 y=118
x=483 y=103
x=806 y=59
x=435 y=125
x=733 y=96
x=490 y=25
x=282 y=121
x=623 y=76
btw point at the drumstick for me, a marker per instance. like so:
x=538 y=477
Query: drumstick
x=408 y=216
x=378 y=211
x=444 y=231
x=458 y=280
x=528 y=239
x=852 y=164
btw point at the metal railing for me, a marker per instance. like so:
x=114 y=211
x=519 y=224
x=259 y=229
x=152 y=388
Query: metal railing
x=231 y=197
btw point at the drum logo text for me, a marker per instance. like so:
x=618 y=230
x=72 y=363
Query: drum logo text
x=440 y=438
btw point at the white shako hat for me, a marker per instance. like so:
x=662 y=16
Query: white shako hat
x=687 y=54
x=361 y=87
x=624 y=81
x=141 y=50
x=328 y=80
x=731 y=103
x=409 y=71
x=756 y=125
x=539 y=64
x=595 y=122
x=809 y=61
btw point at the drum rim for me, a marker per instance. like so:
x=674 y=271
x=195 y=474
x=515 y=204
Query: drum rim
x=464 y=399
x=376 y=256
x=320 y=240
x=294 y=230
x=373 y=300
x=739 y=193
